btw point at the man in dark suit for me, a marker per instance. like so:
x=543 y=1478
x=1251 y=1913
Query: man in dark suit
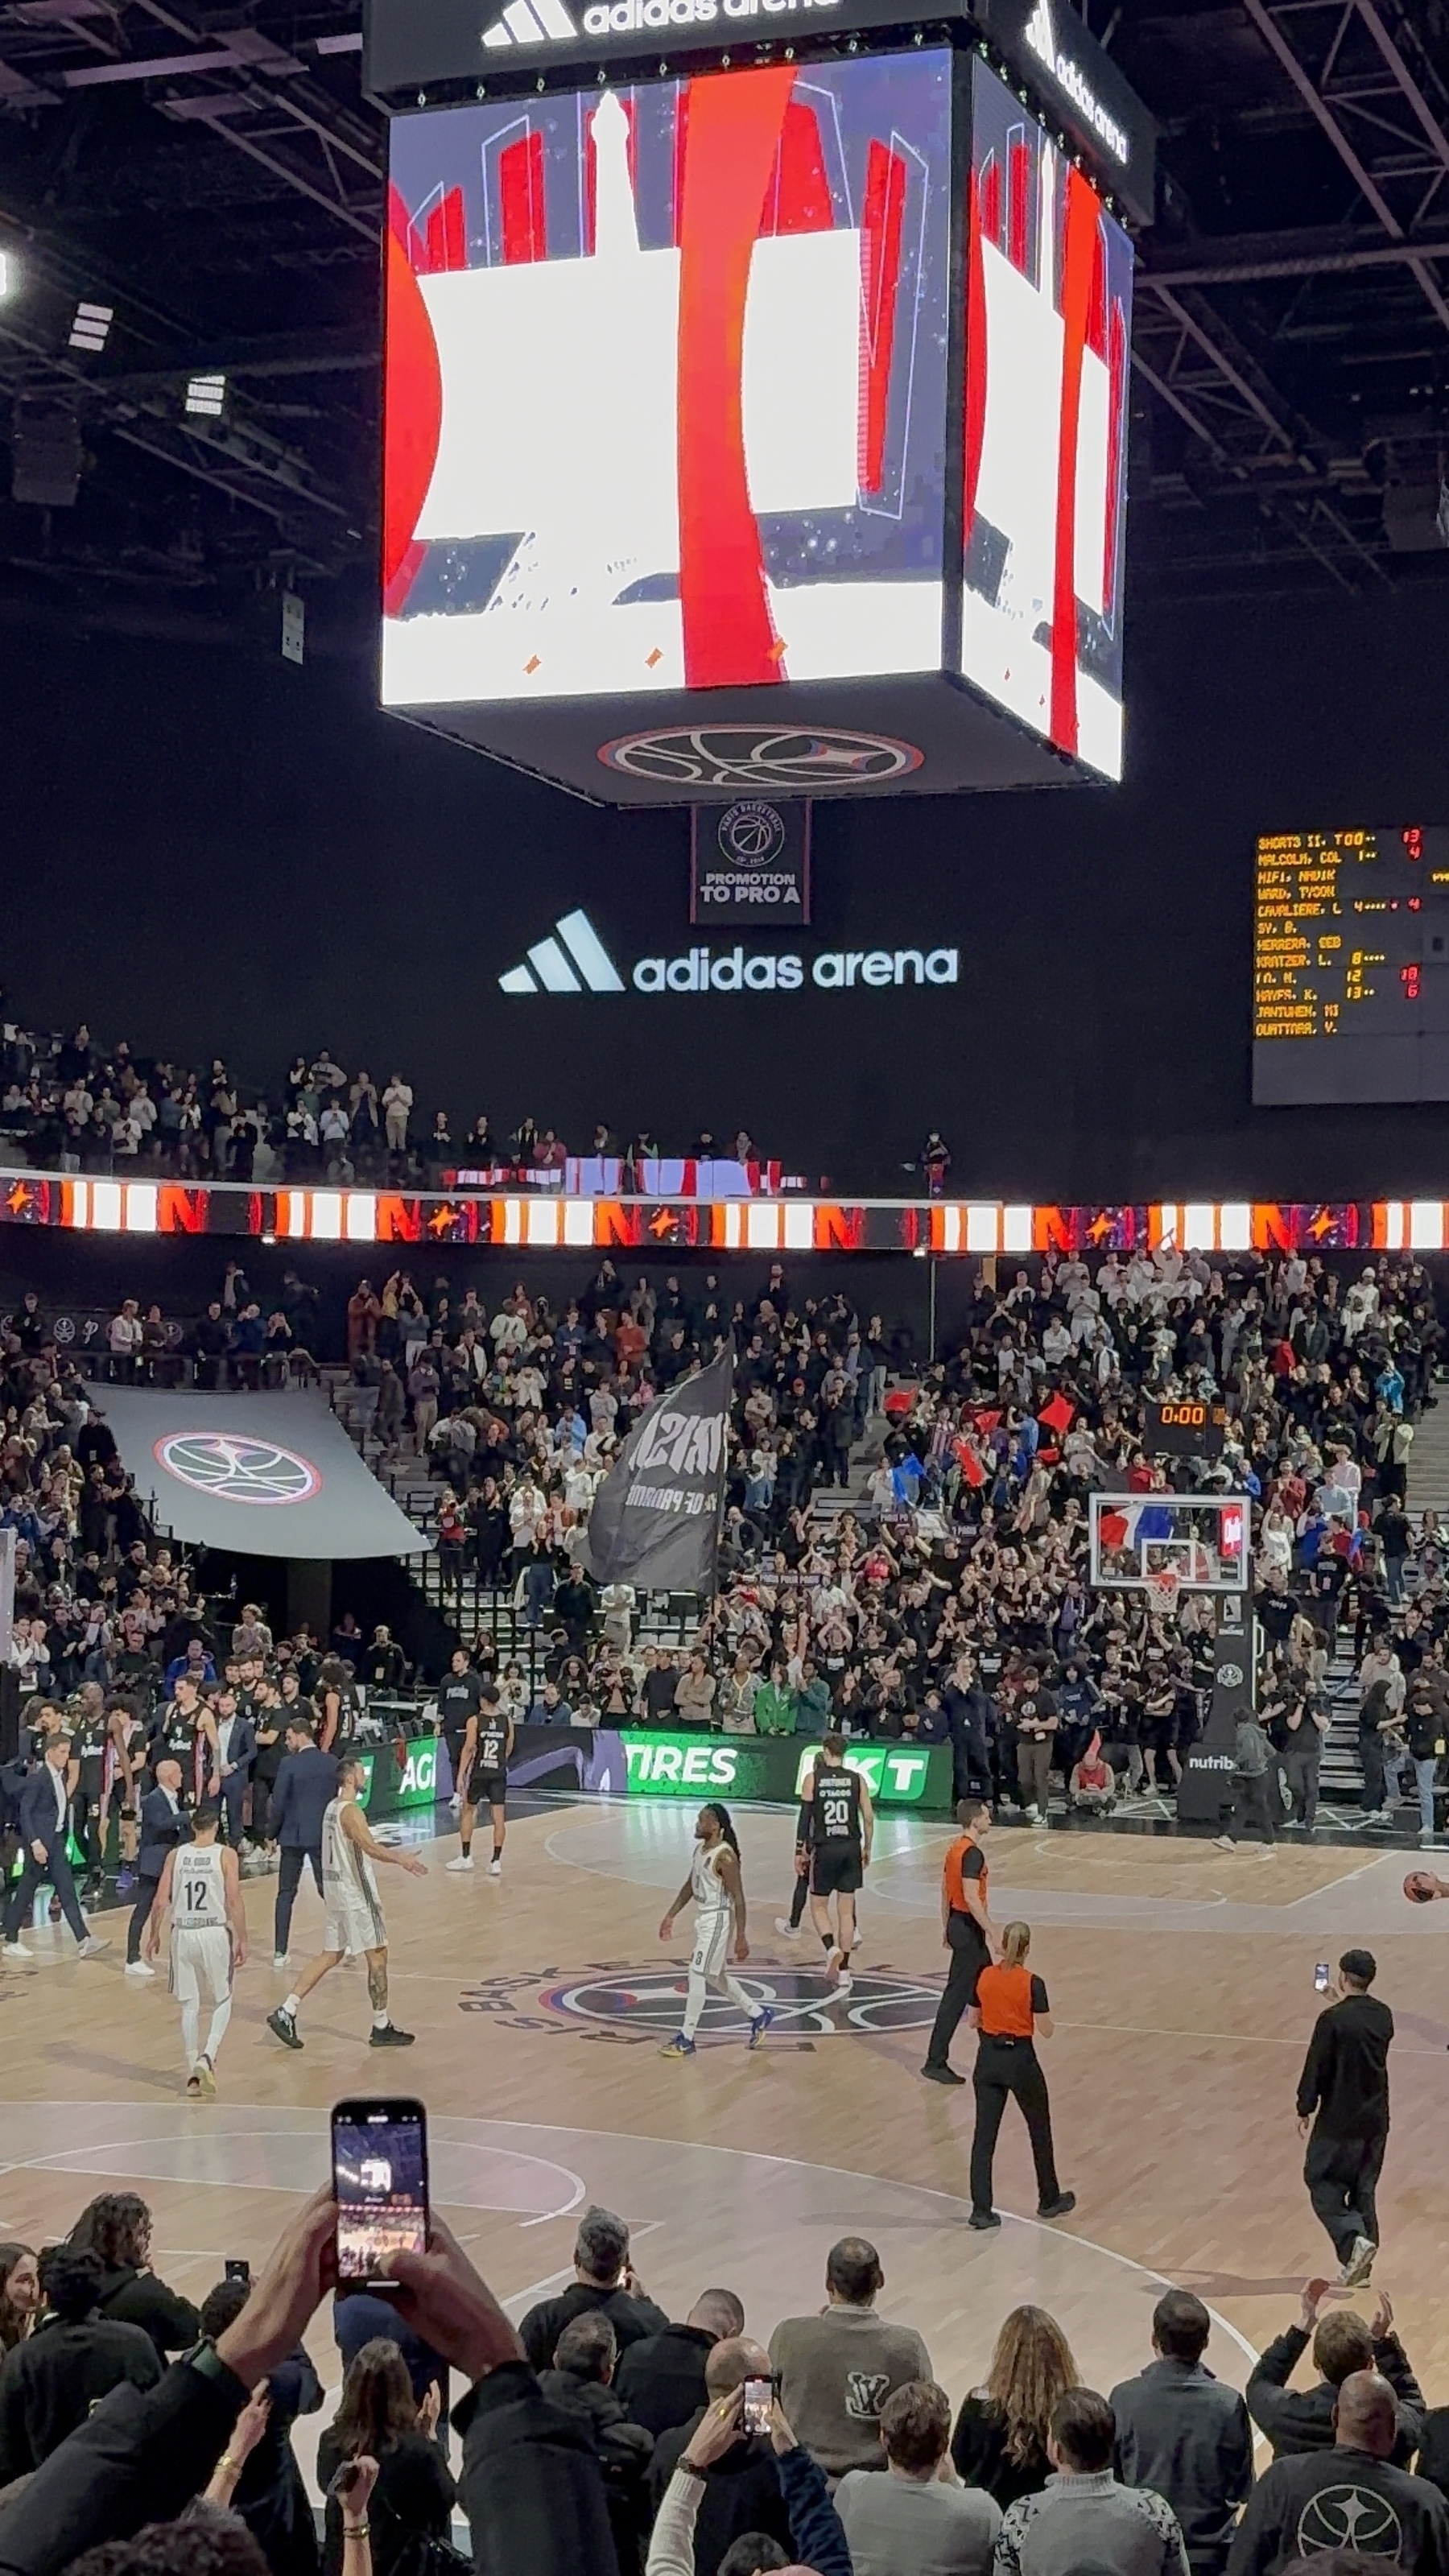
x=236 y=1747
x=306 y=1787
x=164 y=1826
x=44 y=1825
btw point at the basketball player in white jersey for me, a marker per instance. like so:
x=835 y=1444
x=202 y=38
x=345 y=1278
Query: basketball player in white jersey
x=201 y=1883
x=352 y=1911
x=716 y=1890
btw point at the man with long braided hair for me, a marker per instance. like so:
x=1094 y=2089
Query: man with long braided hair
x=716 y=1890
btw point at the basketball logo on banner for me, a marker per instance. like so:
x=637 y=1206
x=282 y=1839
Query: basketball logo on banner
x=233 y=1468
x=750 y=861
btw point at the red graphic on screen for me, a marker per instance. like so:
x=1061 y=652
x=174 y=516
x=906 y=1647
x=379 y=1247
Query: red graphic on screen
x=412 y=410
x=698 y=443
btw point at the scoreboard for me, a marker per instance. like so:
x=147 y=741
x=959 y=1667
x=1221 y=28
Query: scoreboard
x=1351 y=966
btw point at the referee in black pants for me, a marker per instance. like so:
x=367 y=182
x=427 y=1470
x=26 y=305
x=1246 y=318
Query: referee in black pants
x=1009 y=2007
x=1343 y=2112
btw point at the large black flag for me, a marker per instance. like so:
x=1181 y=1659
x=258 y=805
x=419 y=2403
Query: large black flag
x=655 y=1521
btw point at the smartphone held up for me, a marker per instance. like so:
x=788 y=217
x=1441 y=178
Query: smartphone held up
x=380 y=2185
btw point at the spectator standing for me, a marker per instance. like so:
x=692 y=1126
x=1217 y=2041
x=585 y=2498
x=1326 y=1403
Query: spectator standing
x=117 y=2228
x=1082 y=2517
x=740 y=2482
x=1349 y=2498
x=1000 y=2440
x=378 y=2419
x=19 y=2295
x=581 y=2381
x=1302 y=2419
x=835 y=2371
x=604 y=2278
x=1181 y=2432
x=1343 y=2112
x=660 y=2381
x=50 y=2383
x=912 y=2522
x=397 y=1105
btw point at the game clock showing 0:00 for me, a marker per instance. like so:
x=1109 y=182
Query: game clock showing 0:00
x=1187 y=1427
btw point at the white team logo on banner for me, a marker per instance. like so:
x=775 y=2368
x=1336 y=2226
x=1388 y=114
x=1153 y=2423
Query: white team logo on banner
x=234 y=1468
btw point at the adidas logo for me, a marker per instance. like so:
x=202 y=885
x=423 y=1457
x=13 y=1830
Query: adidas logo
x=575 y=959
x=533 y=22
x=1041 y=36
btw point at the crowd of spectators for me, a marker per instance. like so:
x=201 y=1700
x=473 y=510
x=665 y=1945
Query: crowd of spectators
x=73 y=1105
x=140 y=2436
x=951 y=1601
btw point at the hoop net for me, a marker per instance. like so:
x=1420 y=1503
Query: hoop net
x=1164 y=1585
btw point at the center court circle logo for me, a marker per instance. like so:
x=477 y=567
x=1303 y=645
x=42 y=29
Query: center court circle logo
x=622 y=2001
x=751 y=834
x=234 y=1468
x=818 y=759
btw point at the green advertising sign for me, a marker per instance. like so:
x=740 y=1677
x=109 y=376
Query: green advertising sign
x=774 y=1767
x=416 y=1785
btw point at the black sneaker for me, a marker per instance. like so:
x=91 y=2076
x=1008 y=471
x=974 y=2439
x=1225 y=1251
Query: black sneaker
x=982 y=2218
x=1058 y=2208
x=284 y=2028
x=942 y=2075
x=391 y=2037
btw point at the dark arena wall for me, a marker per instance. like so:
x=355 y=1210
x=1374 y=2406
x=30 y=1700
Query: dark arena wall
x=344 y=880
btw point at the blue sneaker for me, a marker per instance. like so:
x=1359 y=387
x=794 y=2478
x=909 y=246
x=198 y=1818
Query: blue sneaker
x=760 y=2024
x=678 y=2046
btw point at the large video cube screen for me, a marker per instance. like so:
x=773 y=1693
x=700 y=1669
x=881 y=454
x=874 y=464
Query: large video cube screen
x=1048 y=332
x=666 y=385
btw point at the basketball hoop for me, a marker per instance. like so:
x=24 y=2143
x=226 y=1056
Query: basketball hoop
x=1164 y=1585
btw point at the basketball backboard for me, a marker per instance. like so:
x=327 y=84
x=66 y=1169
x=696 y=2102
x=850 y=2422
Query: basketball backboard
x=1140 y=1541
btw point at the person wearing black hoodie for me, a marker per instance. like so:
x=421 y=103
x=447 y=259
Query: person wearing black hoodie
x=117 y=2227
x=1302 y=2420
x=580 y=2381
x=50 y=2383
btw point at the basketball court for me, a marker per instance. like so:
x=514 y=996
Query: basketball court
x=1181 y=1980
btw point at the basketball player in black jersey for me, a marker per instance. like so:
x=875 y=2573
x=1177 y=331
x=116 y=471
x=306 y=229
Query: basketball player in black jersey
x=488 y=1750
x=842 y=1822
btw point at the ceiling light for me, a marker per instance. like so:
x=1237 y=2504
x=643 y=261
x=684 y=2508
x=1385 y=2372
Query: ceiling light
x=91 y=327
x=206 y=397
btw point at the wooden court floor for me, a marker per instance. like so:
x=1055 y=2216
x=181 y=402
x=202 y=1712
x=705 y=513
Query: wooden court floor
x=1181 y=1979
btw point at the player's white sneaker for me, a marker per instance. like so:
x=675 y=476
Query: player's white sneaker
x=138 y=1969
x=17 y=1951
x=281 y=1959
x=844 y=1982
x=464 y=1861
x=495 y=1867
x=456 y=1804
x=92 y=1946
x=834 y=1963
x=787 y=1930
x=1039 y=1821
x=1225 y=1842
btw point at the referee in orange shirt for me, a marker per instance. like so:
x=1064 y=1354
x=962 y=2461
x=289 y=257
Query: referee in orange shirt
x=967 y=1931
x=1008 y=2008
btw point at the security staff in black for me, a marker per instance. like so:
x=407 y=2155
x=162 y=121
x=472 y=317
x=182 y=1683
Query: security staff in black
x=967 y=1933
x=460 y=1696
x=841 y=1819
x=1008 y=2009
x=1343 y=2111
x=491 y=1751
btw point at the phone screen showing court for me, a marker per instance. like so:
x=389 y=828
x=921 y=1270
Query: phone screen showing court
x=380 y=2179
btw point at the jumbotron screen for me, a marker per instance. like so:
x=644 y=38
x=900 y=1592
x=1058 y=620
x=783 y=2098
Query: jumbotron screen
x=1048 y=335
x=1351 y=966
x=666 y=385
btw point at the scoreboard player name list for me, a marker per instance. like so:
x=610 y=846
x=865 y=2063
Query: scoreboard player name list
x=1306 y=967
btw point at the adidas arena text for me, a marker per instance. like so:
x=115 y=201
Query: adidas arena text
x=575 y=960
